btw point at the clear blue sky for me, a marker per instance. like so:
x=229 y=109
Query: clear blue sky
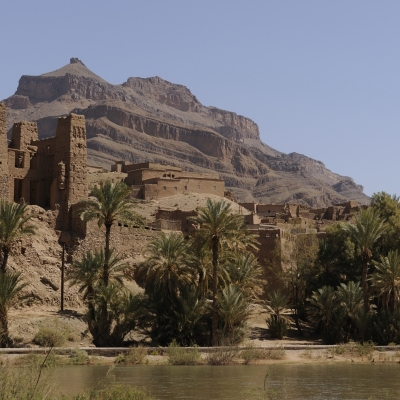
x=321 y=78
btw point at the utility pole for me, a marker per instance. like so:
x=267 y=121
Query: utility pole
x=62 y=277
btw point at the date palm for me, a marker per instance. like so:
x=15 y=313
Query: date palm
x=368 y=227
x=217 y=226
x=166 y=270
x=233 y=311
x=87 y=275
x=386 y=279
x=350 y=302
x=322 y=308
x=10 y=286
x=245 y=272
x=13 y=225
x=111 y=204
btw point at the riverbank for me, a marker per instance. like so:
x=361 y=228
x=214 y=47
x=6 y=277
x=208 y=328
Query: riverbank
x=273 y=354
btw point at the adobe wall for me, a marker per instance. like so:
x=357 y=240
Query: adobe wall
x=250 y=206
x=23 y=168
x=270 y=210
x=51 y=173
x=95 y=178
x=179 y=217
x=252 y=219
x=69 y=184
x=169 y=187
x=4 y=181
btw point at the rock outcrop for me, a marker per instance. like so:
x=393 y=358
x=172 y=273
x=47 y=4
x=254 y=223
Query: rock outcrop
x=152 y=119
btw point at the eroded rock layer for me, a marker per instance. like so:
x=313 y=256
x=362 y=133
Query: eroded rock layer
x=152 y=119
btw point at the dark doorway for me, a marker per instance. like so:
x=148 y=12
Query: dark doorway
x=33 y=199
x=17 y=190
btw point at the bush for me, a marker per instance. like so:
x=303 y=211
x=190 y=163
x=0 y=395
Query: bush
x=52 y=336
x=278 y=353
x=182 y=356
x=354 y=349
x=79 y=357
x=118 y=392
x=278 y=326
x=222 y=355
x=252 y=353
x=135 y=355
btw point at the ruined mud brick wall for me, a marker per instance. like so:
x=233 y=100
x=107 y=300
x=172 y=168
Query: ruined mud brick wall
x=52 y=172
x=4 y=181
x=270 y=210
x=179 y=219
x=164 y=187
x=95 y=178
x=23 y=164
x=250 y=206
x=130 y=243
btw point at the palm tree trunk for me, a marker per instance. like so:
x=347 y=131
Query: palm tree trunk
x=4 y=338
x=365 y=285
x=296 y=310
x=106 y=271
x=6 y=252
x=214 y=323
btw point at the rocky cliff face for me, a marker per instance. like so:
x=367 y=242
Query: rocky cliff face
x=152 y=119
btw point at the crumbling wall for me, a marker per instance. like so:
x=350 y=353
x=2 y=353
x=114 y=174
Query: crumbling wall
x=4 y=181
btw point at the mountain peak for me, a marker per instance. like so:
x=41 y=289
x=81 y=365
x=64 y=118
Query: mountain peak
x=75 y=67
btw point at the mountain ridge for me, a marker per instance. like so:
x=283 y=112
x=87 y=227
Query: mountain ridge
x=156 y=120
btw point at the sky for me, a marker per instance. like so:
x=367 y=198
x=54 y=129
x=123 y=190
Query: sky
x=320 y=78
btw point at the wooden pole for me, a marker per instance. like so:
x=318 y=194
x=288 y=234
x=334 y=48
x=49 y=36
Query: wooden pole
x=62 y=277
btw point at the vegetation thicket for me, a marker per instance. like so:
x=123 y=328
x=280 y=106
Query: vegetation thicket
x=347 y=286
x=203 y=283
x=199 y=289
x=113 y=310
x=13 y=225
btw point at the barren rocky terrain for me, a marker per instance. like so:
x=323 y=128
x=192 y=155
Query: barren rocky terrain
x=152 y=119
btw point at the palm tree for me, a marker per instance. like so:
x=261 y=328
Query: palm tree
x=279 y=319
x=111 y=204
x=13 y=225
x=386 y=279
x=350 y=301
x=323 y=307
x=245 y=272
x=87 y=275
x=368 y=227
x=165 y=270
x=218 y=227
x=10 y=286
x=200 y=261
x=233 y=311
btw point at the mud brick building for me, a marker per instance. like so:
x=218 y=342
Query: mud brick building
x=50 y=173
x=153 y=180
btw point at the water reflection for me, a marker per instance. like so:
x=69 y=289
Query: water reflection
x=340 y=381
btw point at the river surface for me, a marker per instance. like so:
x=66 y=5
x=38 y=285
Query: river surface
x=339 y=381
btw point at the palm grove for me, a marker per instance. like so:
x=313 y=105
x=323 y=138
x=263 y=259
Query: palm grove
x=201 y=289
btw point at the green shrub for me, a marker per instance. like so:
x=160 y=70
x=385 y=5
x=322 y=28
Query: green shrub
x=135 y=355
x=277 y=353
x=354 y=349
x=118 y=392
x=278 y=326
x=178 y=355
x=79 y=357
x=222 y=355
x=252 y=353
x=53 y=335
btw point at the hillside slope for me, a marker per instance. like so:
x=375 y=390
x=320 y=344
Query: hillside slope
x=152 y=119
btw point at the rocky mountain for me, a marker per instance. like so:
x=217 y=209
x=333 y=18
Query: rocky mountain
x=152 y=119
